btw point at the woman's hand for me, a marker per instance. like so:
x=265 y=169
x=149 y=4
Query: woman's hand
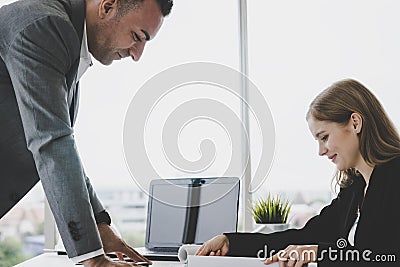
x=295 y=256
x=217 y=246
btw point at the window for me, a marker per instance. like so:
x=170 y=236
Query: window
x=22 y=229
x=297 y=49
x=195 y=31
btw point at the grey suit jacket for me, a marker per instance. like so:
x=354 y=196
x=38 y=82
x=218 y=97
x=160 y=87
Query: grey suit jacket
x=39 y=55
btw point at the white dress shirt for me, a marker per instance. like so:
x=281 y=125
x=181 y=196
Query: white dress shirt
x=353 y=229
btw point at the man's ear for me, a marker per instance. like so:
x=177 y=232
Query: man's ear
x=107 y=8
x=357 y=121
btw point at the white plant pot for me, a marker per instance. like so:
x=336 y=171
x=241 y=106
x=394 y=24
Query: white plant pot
x=267 y=228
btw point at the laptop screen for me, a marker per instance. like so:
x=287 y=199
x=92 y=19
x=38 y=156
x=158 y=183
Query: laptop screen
x=190 y=210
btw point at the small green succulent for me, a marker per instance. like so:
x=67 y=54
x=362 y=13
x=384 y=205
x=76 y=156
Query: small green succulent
x=272 y=210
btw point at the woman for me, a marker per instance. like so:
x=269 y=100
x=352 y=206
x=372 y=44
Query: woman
x=361 y=226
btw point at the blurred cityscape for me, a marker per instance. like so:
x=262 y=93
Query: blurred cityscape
x=22 y=229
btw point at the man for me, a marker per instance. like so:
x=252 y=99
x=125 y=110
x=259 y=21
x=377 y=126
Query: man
x=44 y=50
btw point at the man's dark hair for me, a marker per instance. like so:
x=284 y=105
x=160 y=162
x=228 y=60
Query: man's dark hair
x=128 y=5
x=165 y=6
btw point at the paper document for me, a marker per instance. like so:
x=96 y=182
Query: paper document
x=217 y=261
x=186 y=250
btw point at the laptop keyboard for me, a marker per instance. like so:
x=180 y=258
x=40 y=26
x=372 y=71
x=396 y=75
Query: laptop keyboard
x=165 y=249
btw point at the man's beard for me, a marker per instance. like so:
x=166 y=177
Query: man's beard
x=100 y=51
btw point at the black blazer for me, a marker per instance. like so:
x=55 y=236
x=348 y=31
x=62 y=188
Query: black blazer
x=378 y=229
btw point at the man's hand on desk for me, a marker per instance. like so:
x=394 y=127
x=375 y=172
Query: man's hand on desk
x=103 y=261
x=113 y=244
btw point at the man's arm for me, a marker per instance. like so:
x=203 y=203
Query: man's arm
x=38 y=60
x=97 y=206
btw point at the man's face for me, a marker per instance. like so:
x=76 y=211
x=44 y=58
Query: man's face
x=112 y=37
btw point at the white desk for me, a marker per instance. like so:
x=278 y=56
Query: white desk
x=52 y=259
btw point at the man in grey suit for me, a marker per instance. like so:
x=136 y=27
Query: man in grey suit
x=44 y=50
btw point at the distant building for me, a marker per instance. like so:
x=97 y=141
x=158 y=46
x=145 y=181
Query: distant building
x=127 y=207
x=22 y=220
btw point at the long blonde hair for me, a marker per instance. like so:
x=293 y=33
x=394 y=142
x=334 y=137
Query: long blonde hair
x=379 y=139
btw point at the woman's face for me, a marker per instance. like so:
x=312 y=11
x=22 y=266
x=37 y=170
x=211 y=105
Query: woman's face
x=339 y=143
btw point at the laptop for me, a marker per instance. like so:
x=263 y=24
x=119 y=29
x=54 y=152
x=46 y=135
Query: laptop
x=188 y=211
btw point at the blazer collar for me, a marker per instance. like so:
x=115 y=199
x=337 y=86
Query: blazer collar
x=77 y=16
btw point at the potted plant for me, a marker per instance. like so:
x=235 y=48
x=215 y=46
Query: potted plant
x=272 y=213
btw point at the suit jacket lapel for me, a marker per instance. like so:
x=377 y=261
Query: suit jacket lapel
x=77 y=16
x=73 y=111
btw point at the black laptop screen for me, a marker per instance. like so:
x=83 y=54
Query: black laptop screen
x=189 y=210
